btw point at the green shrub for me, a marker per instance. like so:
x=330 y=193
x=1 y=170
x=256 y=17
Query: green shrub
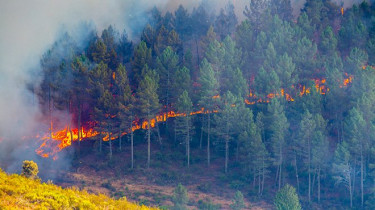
x=287 y=199
x=238 y=202
x=30 y=169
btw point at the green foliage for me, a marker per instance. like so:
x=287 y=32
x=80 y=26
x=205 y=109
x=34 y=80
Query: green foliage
x=30 y=169
x=180 y=197
x=238 y=202
x=208 y=205
x=287 y=199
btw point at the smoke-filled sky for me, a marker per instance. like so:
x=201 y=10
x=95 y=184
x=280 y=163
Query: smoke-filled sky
x=28 y=28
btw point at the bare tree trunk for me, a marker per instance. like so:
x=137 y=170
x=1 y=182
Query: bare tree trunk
x=297 y=178
x=319 y=184
x=350 y=189
x=280 y=177
x=309 y=167
x=188 y=141
x=132 y=141
x=148 y=143
x=120 y=138
x=226 y=154
x=175 y=133
x=362 y=199
x=354 y=174
x=254 y=177
x=208 y=140
x=158 y=131
x=70 y=123
x=259 y=183
x=281 y=162
x=110 y=144
x=263 y=175
x=200 y=142
x=237 y=150
x=50 y=113
x=277 y=175
x=197 y=48
x=100 y=140
x=79 y=126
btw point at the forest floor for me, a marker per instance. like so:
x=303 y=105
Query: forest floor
x=95 y=173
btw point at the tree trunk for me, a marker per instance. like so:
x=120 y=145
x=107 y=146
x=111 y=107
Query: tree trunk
x=100 y=140
x=200 y=142
x=362 y=177
x=132 y=141
x=296 y=167
x=120 y=138
x=237 y=149
x=50 y=112
x=226 y=154
x=263 y=175
x=175 y=133
x=158 y=131
x=208 y=140
x=70 y=123
x=197 y=48
x=309 y=167
x=281 y=162
x=319 y=184
x=280 y=177
x=167 y=102
x=254 y=177
x=259 y=183
x=110 y=144
x=350 y=186
x=354 y=174
x=188 y=141
x=79 y=126
x=148 y=143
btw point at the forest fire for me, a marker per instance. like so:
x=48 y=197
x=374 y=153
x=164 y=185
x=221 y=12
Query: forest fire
x=63 y=138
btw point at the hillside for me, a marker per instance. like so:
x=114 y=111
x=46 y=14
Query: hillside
x=17 y=192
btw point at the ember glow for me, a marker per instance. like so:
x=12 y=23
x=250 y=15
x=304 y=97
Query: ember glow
x=63 y=138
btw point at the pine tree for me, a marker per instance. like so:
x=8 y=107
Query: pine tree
x=226 y=21
x=180 y=198
x=238 y=202
x=328 y=42
x=225 y=122
x=278 y=128
x=183 y=22
x=307 y=128
x=125 y=100
x=287 y=199
x=166 y=67
x=148 y=102
x=255 y=13
x=125 y=48
x=320 y=149
x=104 y=106
x=282 y=8
x=80 y=69
x=142 y=56
x=343 y=168
x=208 y=91
x=357 y=137
x=184 y=123
x=257 y=158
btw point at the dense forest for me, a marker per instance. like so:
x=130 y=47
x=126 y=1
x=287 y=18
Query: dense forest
x=281 y=99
